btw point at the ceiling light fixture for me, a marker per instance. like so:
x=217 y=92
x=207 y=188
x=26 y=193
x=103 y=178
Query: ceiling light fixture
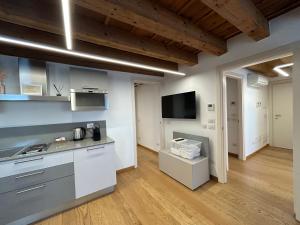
x=279 y=69
x=65 y=4
x=29 y=44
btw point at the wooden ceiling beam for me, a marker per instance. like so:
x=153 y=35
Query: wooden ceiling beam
x=51 y=39
x=12 y=50
x=150 y=16
x=85 y=29
x=90 y=31
x=58 y=41
x=243 y=15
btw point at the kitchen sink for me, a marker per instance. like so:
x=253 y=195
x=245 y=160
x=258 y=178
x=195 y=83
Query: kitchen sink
x=32 y=149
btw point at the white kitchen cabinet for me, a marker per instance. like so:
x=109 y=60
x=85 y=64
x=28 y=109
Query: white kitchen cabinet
x=94 y=169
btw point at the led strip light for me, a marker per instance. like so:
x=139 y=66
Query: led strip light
x=19 y=42
x=279 y=70
x=67 y=22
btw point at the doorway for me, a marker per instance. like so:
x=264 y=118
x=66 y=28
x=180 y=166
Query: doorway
x=257 y=128
x=234 y=116
x=148 y=115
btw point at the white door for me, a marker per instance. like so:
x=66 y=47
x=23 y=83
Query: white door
x=283 y=115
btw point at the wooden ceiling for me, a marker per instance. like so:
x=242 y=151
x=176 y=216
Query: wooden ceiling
x=161 y=33
x=266 y=68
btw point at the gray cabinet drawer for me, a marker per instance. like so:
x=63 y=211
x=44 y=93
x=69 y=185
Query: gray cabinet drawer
x=23 y=202
x=23 y=180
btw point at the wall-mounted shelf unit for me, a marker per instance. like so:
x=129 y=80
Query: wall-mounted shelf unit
x=11 y=97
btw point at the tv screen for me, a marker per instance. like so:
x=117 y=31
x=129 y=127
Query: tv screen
x=179 y=106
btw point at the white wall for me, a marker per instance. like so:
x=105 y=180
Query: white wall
x=119 y=118
x=148 y=115
x=256 y=120
x=205 y=94
x=204 y=77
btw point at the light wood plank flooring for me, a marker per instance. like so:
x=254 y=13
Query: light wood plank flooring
x=259 y=191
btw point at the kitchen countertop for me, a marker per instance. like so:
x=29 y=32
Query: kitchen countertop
x=60 y=147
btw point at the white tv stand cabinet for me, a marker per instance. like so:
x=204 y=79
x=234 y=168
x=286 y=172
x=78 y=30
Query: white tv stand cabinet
x=191 y=173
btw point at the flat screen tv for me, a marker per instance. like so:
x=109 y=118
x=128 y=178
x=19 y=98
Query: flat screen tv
x=181 y=106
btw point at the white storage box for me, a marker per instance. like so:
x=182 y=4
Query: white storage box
x=186 y=148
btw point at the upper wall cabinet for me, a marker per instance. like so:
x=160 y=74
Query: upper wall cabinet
x=88 y=78
x=33 y=80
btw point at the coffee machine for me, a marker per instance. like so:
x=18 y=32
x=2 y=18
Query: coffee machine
x=96 y=133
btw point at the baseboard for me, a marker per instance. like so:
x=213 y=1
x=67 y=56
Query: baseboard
x=234 y=155
x=254 y=153
x=149 y=149
x=125 y=169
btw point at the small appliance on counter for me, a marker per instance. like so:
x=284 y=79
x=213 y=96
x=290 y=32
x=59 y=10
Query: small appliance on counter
x=96 y=134
x=79 y=133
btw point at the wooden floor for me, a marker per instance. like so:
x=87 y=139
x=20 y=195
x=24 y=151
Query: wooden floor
x=259 y=191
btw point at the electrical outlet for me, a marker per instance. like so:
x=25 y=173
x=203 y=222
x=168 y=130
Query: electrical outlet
x=90 y=125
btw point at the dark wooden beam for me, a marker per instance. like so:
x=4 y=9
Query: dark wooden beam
x=91 y=31
x=25 y=13
x=12 y=50
x=152 y=17
x=242 y=14
x=51 y=39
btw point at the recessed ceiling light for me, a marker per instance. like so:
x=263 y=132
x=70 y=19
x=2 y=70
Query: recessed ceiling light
x=65 y=4
x=279 y=69
x=29 y=44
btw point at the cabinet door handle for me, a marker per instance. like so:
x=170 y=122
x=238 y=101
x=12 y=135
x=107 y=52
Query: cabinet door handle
x=30 y=174
x=30 y=160
x=97 y=148
x=31 y=189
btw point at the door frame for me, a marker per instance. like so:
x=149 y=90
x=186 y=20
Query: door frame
x=222 y=154
x=241 y=91
x=161 y=130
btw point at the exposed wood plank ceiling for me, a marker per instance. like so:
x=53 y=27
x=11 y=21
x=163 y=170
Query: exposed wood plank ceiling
x=161 y=33
x=266 y=68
